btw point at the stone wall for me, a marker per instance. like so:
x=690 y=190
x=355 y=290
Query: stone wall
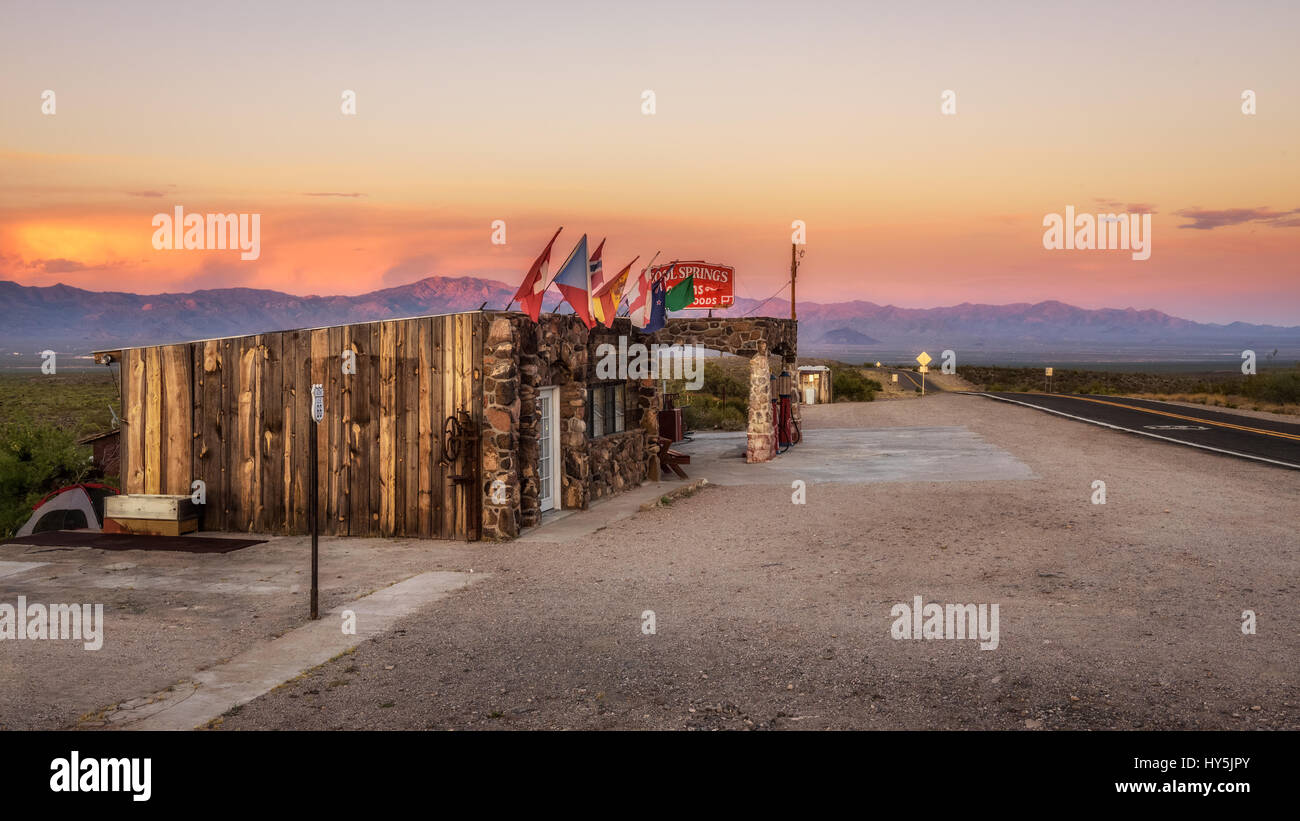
x=552 y=352
x=521 y=356
x=616 y=463
x=499 y=435
x=735 y=336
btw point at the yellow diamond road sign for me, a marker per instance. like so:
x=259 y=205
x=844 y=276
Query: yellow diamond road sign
x=924 y=358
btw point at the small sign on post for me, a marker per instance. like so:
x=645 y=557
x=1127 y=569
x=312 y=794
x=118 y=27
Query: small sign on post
x=924 y=359
x=317 y=416
x=1047 y=379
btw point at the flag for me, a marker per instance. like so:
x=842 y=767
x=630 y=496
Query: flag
x=529 y=295
x=638 y=300
x=604 y=300
x=597 y=269
x=638 y=295
x=658 y=317
x=681 y=294
x=574 y=282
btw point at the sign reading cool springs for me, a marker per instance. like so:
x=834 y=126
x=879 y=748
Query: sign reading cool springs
x=715 y=285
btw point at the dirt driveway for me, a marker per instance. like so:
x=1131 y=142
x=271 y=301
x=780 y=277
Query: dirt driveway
x=770 y=614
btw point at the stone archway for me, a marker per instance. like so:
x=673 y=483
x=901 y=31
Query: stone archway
x=756 y=338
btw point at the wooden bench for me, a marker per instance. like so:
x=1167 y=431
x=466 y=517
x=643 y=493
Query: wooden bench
x=672 y=460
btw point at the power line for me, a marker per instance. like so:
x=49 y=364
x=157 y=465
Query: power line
x=764 y=302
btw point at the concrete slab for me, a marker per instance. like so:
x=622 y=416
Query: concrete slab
x=859 y=455
x=213 y=692
x=947 y=453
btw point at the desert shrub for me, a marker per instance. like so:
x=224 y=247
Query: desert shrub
x=710 y=413
x=719 y=382
x=1282 y=387
x=849 y=385
x=35 y=459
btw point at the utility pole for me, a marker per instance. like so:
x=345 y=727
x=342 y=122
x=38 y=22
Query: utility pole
x=794 y=270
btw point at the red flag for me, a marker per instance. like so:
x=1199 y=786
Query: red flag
x=529 y=295
x=638 y=300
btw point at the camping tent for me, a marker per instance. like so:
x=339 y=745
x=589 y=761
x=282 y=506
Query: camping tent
x=75 y=507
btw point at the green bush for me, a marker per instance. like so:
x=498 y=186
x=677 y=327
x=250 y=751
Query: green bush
x=1282 y=387
x=705 y=412
x=35 y=459
x=718 y=382
x=849 y=385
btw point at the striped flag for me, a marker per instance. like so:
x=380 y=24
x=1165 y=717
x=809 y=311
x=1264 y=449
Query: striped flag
x=597 y=269
x=574 y=282
x=604 y=300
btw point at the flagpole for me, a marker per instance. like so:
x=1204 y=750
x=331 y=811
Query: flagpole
x=646 y=271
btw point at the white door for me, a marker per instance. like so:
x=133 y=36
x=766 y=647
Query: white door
x=809 y=395
x=547 y=449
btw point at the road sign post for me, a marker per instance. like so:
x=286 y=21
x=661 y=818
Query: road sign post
x=1047 y=380
x=317 y=414
x=924 y=359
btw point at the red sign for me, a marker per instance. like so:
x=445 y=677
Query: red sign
x=715 y=285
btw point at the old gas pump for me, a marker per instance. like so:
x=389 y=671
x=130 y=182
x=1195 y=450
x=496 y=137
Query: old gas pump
x=785 y=410
x=774 y=395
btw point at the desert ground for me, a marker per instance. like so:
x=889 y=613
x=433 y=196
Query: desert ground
x=775 y=615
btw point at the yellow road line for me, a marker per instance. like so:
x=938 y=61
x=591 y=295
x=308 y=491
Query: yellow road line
x=1279 y=434
x=911 y=378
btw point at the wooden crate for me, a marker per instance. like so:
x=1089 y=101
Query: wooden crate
x=150 y=514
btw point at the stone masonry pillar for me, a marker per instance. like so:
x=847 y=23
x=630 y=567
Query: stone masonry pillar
x=760 y=431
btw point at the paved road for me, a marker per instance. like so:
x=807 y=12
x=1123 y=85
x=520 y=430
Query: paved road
x=911 y=380
x=1265 y=440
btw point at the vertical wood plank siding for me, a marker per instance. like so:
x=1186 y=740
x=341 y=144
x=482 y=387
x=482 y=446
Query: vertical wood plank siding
x=235 y=414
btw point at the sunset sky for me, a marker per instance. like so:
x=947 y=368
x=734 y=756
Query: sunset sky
x=765 y=113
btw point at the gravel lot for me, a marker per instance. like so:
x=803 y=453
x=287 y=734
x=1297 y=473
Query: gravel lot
x=773 y=615
x=170 y=614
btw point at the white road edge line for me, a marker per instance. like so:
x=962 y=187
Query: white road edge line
x=1140 y=432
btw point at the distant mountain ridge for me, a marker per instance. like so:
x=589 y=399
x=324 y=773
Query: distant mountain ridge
x=72 y=319
x=847 y=336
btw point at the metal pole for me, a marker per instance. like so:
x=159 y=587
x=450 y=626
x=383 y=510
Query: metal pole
x=794 y=269
x=315 y=612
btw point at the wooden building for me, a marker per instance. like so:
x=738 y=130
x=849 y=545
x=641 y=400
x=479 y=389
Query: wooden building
x=459 y=426
x=105 y=451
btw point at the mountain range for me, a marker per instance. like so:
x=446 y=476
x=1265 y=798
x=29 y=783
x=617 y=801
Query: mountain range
x=72 y=319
